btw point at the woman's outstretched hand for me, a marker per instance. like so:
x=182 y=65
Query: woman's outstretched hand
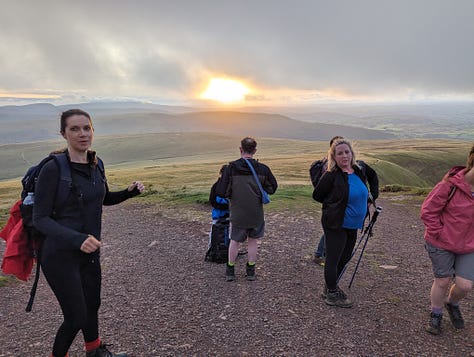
x=138 y=185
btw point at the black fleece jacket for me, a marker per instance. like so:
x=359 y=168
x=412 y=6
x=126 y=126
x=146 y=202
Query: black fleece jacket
x=68 y=226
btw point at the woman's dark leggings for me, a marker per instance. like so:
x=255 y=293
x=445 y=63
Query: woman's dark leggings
x=75 y=279
x=339 y=246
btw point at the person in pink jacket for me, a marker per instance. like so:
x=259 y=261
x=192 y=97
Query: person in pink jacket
x=448 y=216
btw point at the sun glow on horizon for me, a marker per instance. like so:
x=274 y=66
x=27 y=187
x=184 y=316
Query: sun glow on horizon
x=28 y=95
x=225 y=91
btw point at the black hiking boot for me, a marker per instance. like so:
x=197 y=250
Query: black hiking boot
x=250 y=270
x=103 y=351
x=229 y=273
x=321 y=261
x=455 y=315
x=434 y=325
x=338 y=298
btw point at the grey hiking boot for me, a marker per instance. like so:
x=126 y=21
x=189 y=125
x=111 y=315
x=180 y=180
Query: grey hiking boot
x=229 y=273
x=455 y=315
x=434 y=325
x=250 y=270
x=338 y=298
x=102 y=351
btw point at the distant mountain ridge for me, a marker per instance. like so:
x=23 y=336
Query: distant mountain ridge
x=40 y=122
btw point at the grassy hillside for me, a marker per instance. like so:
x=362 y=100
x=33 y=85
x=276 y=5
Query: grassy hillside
x=183 y=166
x=406 y=162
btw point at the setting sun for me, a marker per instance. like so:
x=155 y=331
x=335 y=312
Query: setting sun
x=225 y=91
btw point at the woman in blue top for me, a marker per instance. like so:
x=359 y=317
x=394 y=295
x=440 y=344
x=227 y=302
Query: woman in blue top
x=344 y=196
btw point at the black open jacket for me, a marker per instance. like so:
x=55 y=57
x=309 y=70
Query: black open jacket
x=68 y=226
x=332 y=191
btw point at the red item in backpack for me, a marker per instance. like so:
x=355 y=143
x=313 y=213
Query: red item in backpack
x=17 y=259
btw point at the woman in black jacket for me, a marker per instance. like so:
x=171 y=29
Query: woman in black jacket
x=70 y=255
x=344 y=195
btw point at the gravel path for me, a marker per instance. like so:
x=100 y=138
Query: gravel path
x=160 y=298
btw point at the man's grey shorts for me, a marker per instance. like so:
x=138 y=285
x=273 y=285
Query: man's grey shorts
x=240 y=234
x=447 y=264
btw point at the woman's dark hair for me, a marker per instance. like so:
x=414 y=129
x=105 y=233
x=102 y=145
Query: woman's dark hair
x=470 y=159
x=334 y=139
x=69 y=113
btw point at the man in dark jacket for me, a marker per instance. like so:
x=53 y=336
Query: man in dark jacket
x=246 y=209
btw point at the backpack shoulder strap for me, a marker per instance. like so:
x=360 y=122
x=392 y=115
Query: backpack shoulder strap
x=451 y=193
x=100 y=166
x=65 y=183
x=363 y=167
x=257 y=180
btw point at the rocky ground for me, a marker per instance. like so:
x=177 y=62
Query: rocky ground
x=160 y=298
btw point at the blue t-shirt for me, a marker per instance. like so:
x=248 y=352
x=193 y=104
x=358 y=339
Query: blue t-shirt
x=357 y=203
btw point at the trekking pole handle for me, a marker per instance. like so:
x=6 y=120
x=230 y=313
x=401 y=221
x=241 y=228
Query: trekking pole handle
x=378 y=210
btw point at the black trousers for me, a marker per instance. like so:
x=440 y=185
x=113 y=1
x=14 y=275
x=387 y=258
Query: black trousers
x=339 y=246
x=75 y=279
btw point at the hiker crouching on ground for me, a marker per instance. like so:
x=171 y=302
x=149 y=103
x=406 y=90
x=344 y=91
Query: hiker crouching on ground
x=344 y=195
x=70 y=255
x=246 y=209
x=448 y=215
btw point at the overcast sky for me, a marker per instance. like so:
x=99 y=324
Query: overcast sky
x=294 y=51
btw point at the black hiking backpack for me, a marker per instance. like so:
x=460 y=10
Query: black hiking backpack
x=28 y=193
x=219 y=242
x=316 y=170
x=219 y=236
x=64 y=188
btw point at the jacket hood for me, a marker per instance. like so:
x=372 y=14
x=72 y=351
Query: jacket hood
x=242 y=166
x=456 y=177
x=454 y=171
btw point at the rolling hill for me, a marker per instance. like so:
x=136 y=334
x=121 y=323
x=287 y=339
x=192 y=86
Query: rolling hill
x=39 y=122
x=418 y=163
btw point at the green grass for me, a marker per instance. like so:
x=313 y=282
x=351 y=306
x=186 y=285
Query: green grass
x=5 y=280
x=180 y=168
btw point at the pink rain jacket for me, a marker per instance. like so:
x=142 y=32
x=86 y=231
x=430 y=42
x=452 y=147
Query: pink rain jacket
x=450 y=224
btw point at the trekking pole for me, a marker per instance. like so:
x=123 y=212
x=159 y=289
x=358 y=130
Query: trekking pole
x=364 y=235
x=369 y=232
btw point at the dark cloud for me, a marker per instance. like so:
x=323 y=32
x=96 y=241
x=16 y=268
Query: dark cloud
x=164 y=48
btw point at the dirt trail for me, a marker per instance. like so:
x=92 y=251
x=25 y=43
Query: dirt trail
x=160 y=298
